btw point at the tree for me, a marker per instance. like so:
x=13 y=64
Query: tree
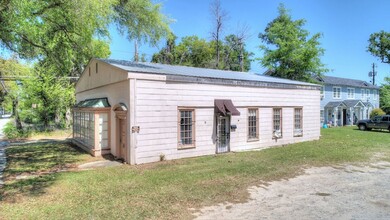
x=218 y=17
x=197 y=52
x=11 y=90
x=384 y=92
x=235 y=57
x=379 y=46
x=288 y=50
x=65 y=33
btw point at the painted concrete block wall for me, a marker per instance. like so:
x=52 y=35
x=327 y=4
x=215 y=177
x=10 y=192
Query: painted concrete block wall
x=157 y=105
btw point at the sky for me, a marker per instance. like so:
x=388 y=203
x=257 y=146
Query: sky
x=345 y=26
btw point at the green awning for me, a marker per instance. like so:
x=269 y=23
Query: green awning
x=93 y=103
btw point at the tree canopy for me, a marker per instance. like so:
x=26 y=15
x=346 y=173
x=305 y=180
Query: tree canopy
x=379 y=46
x=196 y=52
x=289 y=52
x=68 y=33
x=384 y=99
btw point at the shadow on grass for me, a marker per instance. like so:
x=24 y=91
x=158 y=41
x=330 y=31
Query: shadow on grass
x=33 y=167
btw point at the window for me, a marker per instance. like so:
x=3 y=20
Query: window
x=363 y=94
x=89 y=71
x=351 y=93
x=322 y=117
x=186 y=128
x=298 y=132
x=374 y=94
x=367 y=93
x=277 y=119
x=84 y=129
x=97 y=68
x=322 y=91
x=337 y=92
x=253 y=126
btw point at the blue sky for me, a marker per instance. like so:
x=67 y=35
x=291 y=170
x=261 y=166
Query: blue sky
x=345 y=24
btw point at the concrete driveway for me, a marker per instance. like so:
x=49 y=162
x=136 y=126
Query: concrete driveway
x=345 y=192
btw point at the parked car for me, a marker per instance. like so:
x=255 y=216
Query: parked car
x=378 y=122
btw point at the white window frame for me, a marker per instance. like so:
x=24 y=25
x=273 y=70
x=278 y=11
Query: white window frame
x=277 y=116
x=350 y=93
x=375 y=94
x=363 y=93
x=368 y=93
x=322 y=92
x=253 y=125
x=335 y=92
x=298 y=122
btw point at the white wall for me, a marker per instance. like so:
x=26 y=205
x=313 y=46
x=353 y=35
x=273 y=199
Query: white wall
x=157 y=104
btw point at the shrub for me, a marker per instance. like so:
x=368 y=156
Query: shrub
x=11 y=132
x=376 y=112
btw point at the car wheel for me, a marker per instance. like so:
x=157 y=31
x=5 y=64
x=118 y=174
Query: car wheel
x=362 y=127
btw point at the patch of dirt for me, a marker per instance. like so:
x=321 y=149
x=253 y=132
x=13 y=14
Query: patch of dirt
x=348 y=192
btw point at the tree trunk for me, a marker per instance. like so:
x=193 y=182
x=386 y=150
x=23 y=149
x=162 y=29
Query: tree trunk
x=18 y=123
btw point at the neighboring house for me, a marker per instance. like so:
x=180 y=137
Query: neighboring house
x=146 y=112
x=345 y=101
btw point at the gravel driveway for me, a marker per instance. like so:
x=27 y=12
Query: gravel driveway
x=347 y=192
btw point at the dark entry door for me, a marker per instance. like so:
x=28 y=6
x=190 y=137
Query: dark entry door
x=344 y=117
x=223 y=134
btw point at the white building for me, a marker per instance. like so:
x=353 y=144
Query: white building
x=145 y=112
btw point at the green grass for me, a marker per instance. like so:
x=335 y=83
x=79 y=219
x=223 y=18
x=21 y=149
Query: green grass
x=167 y=190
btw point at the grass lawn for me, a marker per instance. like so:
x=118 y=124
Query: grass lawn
x=168 y=189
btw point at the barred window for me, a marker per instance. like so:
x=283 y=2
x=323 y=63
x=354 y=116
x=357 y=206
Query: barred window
x=253 y=128
x=186 y=128
x=277 y=119
x=298 y=131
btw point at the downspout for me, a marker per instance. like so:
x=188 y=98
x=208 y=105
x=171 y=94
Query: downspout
x=133 y=120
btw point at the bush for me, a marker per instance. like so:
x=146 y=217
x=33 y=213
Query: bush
x=376 y=112
x=11 y=132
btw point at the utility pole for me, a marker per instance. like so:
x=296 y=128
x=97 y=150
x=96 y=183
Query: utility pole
x=135 y=51
x=373 y=73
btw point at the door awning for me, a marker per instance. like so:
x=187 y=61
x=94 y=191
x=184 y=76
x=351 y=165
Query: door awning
x=225 y=107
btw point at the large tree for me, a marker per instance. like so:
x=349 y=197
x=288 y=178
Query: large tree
x=68 y=33
x=379 y=46
x=289 y=52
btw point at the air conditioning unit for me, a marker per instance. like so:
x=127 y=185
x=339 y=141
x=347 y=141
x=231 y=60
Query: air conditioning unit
x=277 y=134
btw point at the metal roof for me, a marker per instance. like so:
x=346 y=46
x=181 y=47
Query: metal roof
x=156 y=68
x=331 y=80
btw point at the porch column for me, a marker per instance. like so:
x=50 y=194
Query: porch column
x=334 y=116
x=351 y=113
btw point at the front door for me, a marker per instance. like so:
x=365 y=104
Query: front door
x=122 y=139
x=223 y=134
x=344 y=117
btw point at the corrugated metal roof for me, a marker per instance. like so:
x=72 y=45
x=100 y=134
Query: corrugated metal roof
x=156 y=68
x=331 y=80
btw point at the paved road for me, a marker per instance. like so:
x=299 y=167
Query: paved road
x=3 y=144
